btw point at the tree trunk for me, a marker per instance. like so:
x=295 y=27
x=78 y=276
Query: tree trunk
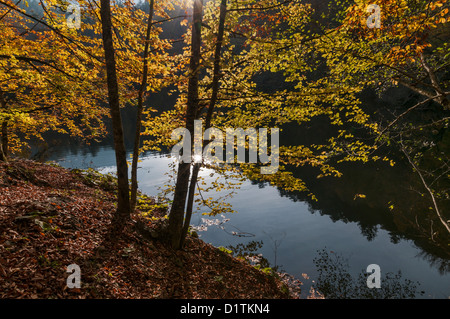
x=5 y=139
x=212 y=103
x=190 y=203
x=4 y=133
x=216 y=70
x=2 y=155
x=137 y=138
x=176 y=215
x=123 y=196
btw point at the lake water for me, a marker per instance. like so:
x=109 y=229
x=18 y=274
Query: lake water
x=292 y=230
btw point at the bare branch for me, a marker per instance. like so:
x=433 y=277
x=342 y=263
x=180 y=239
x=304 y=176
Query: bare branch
x=430 y=192
x=406 y=112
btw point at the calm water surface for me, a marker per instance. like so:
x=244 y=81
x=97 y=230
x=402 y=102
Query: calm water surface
x=291 y=231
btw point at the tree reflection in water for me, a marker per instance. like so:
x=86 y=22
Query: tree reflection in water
x=334 y=281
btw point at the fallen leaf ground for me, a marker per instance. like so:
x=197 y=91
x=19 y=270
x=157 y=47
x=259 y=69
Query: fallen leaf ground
x=51 y=217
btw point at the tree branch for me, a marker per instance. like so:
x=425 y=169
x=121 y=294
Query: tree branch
x=406 y=112
x=58 y=32
x=28 y=59
x=430 y=192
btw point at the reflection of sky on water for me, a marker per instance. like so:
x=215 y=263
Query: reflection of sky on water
x=288 y=229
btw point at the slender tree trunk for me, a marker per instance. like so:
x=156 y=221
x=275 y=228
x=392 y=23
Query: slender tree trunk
x=5 y=139
x=123 y=196
x=190 y=203
x=2 y=155
x=176 y=215
x=217 y=56
x=212 y=103
x=4 y=133
x=142 y=89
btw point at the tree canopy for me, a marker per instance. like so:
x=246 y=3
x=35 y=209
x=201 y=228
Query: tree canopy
x=258 y=66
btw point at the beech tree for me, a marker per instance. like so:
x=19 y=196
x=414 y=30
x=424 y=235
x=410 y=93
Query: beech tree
x=53 y=76
x=176 y=216
x=155 y=68
x=241 y=41
x=140 y=107
x=123 y=197
x=41 y=84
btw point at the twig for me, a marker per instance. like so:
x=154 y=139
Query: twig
x=427 y=188
x=407 y=111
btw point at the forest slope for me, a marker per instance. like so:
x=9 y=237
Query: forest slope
x=51 y=217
